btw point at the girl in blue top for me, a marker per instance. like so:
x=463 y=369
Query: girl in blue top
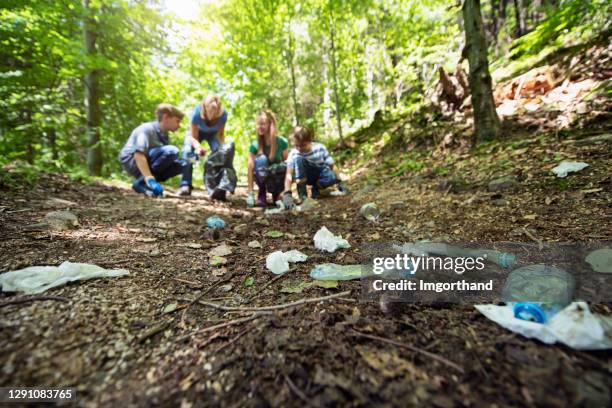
x=207 y=123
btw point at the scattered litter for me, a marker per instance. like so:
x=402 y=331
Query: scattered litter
x=254 y=244
x=574 y=326
x=37 y=279
x=324 y=240
x=334 y=272
x=369 y=211
x=278 y=261
x=539 y=283
x=217 y=260
x=274 y=234
x=221 y=250
x=215 y=222
x=600 y=260
x=307 y=205
x=565 y=167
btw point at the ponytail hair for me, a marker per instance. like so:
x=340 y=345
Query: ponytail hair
x=261 y=139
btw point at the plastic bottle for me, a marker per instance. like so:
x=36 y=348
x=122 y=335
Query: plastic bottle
x=502 y=259
x=369 y=211
x=537 y=292
x=331 y=271
x=215 y=222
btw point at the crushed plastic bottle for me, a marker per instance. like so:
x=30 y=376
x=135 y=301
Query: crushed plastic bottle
x=538 y=292
x=215 y=222
x=502 y=259
x=331 y=271
x=370 y=211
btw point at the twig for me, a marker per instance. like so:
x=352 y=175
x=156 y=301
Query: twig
x=232 y=341
x=530 y=235
x=33 y=299
x=275 y=307
x=298 y=392
x=261 y=289
x=195 y=285
x=222 y=325
x=200 y=296
x=154 y=330
x=412 y=348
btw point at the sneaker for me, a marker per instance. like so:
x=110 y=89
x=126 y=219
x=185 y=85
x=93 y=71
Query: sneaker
x=184 y=191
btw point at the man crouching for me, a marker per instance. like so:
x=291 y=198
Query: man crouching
x=148 y=157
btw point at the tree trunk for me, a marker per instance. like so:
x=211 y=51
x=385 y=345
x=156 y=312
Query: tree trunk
x=332 y=33
x=520 y=18
x=289 y=58
x=52 y=138
x=92 y=98
x=486 y=121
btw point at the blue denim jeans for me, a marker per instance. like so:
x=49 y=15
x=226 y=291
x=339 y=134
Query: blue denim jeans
x=312 y=174
x=163 y=162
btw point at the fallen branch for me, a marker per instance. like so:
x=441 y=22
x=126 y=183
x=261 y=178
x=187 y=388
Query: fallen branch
x=411 y=348
x=274 y=307
x=222 y=325
x=33 y=299
x=532 y=237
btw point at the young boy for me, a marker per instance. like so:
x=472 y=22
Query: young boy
x=147 y=155
x=309 y=163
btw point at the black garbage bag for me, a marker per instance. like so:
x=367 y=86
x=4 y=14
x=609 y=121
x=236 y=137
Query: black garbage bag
x=275 y=181
x=219 y=174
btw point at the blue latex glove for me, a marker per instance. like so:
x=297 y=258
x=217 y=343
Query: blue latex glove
x=288 y=201
x=155 y=187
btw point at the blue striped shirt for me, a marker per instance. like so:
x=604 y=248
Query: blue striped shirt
x=318 y=155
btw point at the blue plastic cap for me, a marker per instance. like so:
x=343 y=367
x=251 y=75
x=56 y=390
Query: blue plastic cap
x=531 y=312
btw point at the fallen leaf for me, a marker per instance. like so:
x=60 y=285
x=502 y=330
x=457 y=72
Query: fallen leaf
x=274 y=234
x=249 y=281
x=221 y=250
x=192 y=245
x=296 y=288
x=217 y=260
x=170 y=308
x=254 y=244
x=530 y=217
x=326 y=284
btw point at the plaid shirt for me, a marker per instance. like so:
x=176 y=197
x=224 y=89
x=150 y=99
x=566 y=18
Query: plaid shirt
x=318 y=155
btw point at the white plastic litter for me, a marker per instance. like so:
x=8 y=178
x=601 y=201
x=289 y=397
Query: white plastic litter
x=37 y=279
x=568 y=167
x=324 y=240
x=278 y=261
x=574 y=326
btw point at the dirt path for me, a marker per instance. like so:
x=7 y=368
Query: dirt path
x=317 y=351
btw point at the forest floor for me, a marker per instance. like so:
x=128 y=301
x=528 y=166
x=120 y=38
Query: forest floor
x=119 y=342
x=143 y=339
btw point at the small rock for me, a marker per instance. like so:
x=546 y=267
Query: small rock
x=399 y=205
x=500 y=202
x=503 y=183
x=254 y=244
